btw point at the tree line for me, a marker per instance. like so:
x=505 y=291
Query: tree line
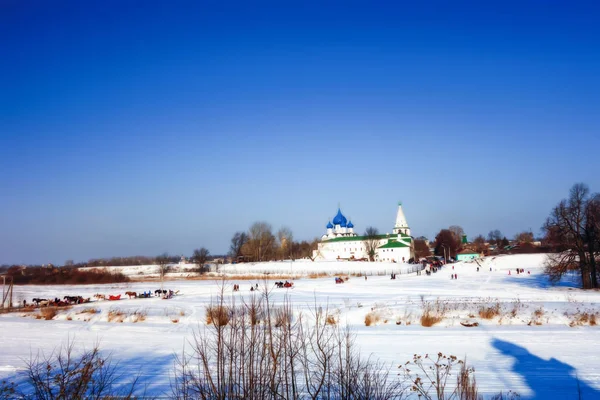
x=261 y=243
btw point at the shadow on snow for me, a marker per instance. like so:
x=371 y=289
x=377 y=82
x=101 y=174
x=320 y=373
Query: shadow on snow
x=547 y=379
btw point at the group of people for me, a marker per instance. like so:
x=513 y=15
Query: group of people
x=453 y=276
x=520 y=271
x=284 y=285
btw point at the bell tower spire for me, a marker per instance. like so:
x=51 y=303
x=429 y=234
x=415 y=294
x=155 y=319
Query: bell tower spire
x=401 y=225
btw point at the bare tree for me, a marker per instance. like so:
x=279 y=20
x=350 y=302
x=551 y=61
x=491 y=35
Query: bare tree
x=457 y=231
x=238 y=240
x=261 y=242
x=479 y=242
x=285 y=239
x=163 y=261
x=446 y=243
x=524 y=237
x=371 y=242
x=495 y=237
x=573 y=224
x=200 y=257
x=421 y=249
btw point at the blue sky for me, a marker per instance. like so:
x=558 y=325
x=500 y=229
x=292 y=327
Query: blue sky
x=143 y=127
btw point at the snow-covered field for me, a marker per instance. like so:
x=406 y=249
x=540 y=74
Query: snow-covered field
x=296 y=268
x=539 y=344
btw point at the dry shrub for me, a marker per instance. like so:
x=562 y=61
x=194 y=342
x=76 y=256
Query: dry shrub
x=69 y=318
x=175 y=320
x=281 y=317
x=138 y=316
x=182 y=313
x=536 y=317
x=331 y=320
x=489 y=312
x=116 y=316
x=433 y=313
x=89 y=310
x=372 y=318
x=583 y=318
x=429 y=319
x=48 y=313
x=218 y=315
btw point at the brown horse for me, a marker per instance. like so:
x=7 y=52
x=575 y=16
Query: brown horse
x=100 y=296
x=131 y=294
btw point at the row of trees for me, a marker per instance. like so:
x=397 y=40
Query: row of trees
x=260 y=243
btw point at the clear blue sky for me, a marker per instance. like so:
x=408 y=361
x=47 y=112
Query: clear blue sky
x=140 y=127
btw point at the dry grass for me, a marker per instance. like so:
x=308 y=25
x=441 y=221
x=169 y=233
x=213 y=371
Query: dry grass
x=174 y=320
x=583 y=318
x=316 y=275
x=537 y=316
x=47 y=313
x=182 y=313
x=433 y=312
x=69 y=318
x=139 y=316
x=372 y=318
x=116 y=316
x=429 y=319
x=218 y=315
x=331 y=320
x=89 y=310
x=487 y=312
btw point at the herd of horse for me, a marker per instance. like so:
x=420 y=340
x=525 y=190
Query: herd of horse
x=72 y=300
x=66 y=301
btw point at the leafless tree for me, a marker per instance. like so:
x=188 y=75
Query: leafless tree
x=238 y=240
x=457 y=231
x=163 y=262
x=573 y=225
x=446 y=243
x=479 y=243
x=200 y=257
x=421 y=249
x=285 y=239
x=261 y=242
x=495 y=237
x=524 y=237
x=371 y=241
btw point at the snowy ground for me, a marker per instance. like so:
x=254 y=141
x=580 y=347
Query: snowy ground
x=296 y=268
x=539 y=345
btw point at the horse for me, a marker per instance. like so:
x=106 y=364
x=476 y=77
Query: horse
x=38 y=301
x=159 y=291
x=131 y=294
x=99 y=296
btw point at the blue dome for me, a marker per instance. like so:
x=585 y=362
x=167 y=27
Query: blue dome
x=339 y=219
x=329 y=225
x=350 y=224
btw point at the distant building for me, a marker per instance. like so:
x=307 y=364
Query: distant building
x=467 y=255
x=340 y=242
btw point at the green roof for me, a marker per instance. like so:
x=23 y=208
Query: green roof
x=393 y=244
x=391 y=236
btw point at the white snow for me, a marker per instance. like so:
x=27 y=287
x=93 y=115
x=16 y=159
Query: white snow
x=529 y=348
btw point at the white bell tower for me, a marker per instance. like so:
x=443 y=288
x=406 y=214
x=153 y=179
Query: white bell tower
x=401 y=224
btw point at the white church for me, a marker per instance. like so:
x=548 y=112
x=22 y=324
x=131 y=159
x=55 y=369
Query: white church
x=340 y=242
